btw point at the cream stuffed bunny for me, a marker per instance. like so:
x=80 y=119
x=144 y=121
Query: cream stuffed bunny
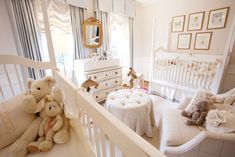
x=52 y=123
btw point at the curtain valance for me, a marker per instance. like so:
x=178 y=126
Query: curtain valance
x=121 y=7
x=77 y=3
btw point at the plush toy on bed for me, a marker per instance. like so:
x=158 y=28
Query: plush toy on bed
x=198 y=116
x=50 y=124
x=32 y=103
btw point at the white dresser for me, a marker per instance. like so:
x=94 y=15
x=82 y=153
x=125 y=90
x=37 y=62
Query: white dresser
x=107 y=73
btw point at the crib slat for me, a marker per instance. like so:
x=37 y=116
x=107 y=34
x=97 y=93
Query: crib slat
x=89 y=127
x=112 y=149
x=206 y=74
x=9 y=80
x=211 y=73
x=103 y=144
x=37 y=74
x=18 y=78
x=97 y=143
x=3 y=96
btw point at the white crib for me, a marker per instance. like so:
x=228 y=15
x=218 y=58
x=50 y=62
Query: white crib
x=108 y=136
x=176 y=75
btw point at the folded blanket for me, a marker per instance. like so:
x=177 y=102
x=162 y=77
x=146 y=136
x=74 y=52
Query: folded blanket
x=220 y=121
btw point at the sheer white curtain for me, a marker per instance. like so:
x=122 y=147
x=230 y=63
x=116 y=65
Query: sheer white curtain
x=104 y=18
x=120 y=41
x=66 y=29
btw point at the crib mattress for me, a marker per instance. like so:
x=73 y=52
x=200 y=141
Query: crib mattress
x=73 y=148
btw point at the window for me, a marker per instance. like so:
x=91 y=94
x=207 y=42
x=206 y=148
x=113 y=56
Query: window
x=119 y=44
x=61 y=31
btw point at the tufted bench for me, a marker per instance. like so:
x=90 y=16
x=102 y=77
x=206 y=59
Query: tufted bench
x=134 y=108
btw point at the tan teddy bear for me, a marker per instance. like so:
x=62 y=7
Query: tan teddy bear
x=48 y=127
x=198 y=116
x=31 y=103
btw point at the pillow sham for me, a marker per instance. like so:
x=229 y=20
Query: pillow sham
x=13 y=121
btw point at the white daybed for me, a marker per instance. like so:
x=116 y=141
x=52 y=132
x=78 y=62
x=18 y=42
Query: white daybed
x=177 y=76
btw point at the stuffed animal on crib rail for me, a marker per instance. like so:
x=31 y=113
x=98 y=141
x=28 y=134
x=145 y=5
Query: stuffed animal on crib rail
x=133 y=75
x=89 y=83
x=50 y=124
x=198 y=116
x=33 y=103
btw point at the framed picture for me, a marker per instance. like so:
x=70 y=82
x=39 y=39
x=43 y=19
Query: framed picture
x=184 y=41
x=178 y=23
x=202 y=41
x=217 y=18
x=195 y=21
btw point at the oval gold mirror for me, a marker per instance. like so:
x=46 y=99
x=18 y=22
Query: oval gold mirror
x=92 y=33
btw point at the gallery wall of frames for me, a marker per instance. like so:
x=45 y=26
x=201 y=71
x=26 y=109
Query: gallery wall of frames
x=193 y=26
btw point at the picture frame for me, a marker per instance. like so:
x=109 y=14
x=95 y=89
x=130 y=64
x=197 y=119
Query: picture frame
x=178 y=23
x=217 y=18
x=195 y=21
x=202 y=40
x=184 y=41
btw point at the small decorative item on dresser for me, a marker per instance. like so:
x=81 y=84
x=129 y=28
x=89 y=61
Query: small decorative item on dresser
x=178 y=23
x=202 y=41
x=184 y=41
x=217 y=18
x=195 y=21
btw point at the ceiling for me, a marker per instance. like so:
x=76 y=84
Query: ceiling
x=147 y=2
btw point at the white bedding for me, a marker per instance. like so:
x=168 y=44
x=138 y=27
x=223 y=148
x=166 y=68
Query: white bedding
x=74 y=148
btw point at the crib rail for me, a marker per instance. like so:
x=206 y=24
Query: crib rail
x=108 y=135
x=183 y=71
x=12 y=82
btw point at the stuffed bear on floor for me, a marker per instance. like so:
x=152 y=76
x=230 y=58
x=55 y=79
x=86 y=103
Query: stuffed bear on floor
x=198 y=116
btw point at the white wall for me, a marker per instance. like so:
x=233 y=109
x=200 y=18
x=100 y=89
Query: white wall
x=163 y=11
x=7 y=43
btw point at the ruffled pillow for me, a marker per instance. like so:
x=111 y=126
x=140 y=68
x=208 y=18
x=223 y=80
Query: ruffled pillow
x=13 y=121
x=225 y=98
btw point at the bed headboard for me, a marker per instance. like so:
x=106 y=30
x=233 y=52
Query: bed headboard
x=176 y=75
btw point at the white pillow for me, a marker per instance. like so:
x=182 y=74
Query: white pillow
x=200 y=95
x=225 y=98
x=13 y=121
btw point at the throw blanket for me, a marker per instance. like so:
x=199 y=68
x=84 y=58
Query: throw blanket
x=221 y=121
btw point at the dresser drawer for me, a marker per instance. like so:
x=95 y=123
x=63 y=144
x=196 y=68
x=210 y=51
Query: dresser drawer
x=100 y=76
x=100 y=96
x=103 y=85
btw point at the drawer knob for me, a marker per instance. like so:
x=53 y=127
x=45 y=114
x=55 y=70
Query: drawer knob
x=106 y=74
x=95 y=77
x=106 y=84
x=116 y=81
x=116 y=73
x=107 y=93
x=96 y=97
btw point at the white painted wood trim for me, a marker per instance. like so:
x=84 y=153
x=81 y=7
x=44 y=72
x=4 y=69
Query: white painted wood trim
x=48 y=34
x=12 y=59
